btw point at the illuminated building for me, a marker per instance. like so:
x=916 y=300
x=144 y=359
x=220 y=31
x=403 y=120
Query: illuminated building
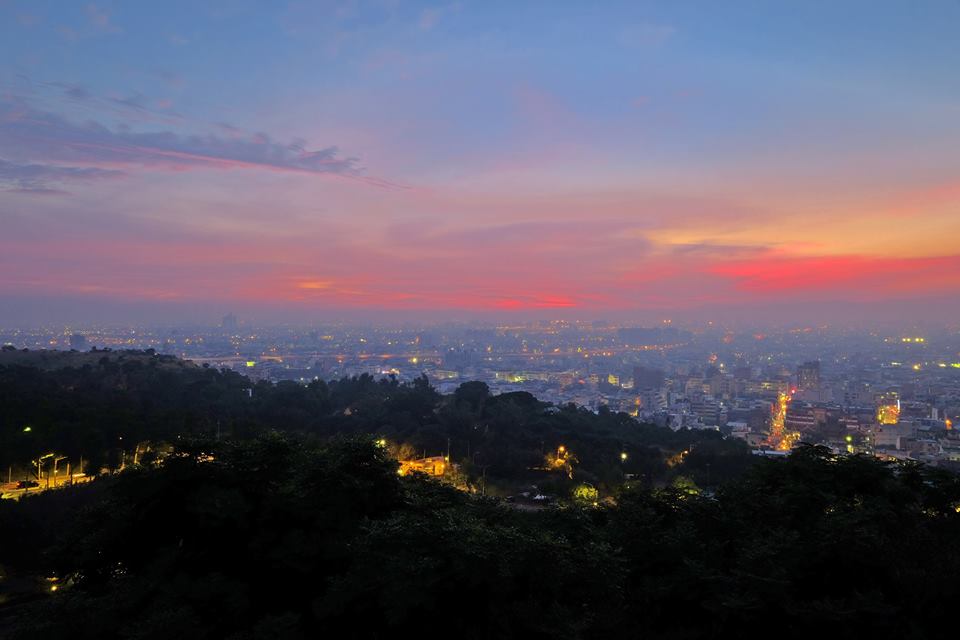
x=433 y=466
x=888 y=411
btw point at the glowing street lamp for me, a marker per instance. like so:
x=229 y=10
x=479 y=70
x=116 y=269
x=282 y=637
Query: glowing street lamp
x=623 y=456
x=39 y=466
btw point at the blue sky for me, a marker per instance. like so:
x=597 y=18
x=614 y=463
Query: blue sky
x=332 y=155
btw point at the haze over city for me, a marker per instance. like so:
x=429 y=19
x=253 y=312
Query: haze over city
x=386 y=161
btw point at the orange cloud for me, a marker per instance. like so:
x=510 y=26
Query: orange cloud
x=854 y=275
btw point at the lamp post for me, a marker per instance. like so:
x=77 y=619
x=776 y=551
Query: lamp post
x=26 y=429
x=40 y=467
x=55 y=461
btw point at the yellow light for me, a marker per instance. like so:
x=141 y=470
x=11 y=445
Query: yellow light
x=27 y=429
x=53 y=587
x=414 y=360
x=916 y=367
x=623 y=456
x=251 y=363
x=561 y=448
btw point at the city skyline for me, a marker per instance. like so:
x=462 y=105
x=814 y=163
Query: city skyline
x=462 y=160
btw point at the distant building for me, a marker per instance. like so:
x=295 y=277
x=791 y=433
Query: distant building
x=652 y=336
x=229 y=322
x=433 y=466
x=800 y=418
x=78 y=341
x=888 y=408
x=808 y=376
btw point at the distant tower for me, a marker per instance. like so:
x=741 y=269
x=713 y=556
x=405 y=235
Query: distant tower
x=808 y=375
x=78 y=341
x=229 y=322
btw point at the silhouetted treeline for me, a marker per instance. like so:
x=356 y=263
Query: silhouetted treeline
x=118 y=399
x=280 y=538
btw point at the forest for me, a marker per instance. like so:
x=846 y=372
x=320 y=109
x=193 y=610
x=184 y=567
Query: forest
x=291 y=521
x=100 y=411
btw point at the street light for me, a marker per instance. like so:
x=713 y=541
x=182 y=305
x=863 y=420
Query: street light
x=55 y=461
x=623 y=457
x=27 y=429
x=39 y=463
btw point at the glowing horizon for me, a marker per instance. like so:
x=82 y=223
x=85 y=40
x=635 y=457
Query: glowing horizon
x=478 y=158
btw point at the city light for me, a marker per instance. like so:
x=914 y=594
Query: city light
x=780 y=438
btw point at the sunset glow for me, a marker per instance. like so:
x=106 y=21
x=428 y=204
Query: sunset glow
x=477 y=158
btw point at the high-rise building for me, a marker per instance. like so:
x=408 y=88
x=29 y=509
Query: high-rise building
x=229 y=322
x=78 y=341
x=808 y=376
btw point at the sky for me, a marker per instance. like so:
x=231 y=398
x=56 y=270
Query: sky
x=307 y=160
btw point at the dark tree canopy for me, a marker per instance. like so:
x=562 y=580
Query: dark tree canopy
x=295 y=523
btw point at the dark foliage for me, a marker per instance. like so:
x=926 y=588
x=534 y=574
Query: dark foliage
x=295 y=523
x=277 y=538
x=97 y=411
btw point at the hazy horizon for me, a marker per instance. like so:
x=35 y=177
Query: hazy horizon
x=80 y=314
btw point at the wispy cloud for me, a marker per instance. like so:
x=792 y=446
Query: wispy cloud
x=45 y=178
x=31 y=134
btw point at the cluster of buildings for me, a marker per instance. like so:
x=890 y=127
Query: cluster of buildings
x=889 y=393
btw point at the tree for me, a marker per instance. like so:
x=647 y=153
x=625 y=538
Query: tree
x=586 y=495
x=472 y=394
